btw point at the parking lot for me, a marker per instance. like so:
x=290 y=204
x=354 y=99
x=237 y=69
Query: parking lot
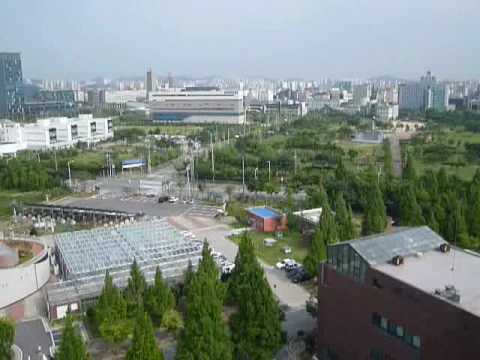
x=148 y=206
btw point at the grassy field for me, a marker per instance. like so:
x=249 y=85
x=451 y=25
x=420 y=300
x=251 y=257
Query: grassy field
x=446 y=149
x=272 y=254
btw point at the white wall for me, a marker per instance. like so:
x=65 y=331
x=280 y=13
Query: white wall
x=19 y=282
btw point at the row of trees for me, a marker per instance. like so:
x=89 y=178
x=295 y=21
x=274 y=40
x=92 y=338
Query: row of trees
x=116 y=311
x=27 y=176
x=255 y=326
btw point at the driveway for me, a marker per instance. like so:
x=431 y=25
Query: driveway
x=32 y=338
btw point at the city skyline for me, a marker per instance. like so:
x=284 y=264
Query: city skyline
x=303 y=40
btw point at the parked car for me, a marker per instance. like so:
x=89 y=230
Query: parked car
x=172 y=199
x=162 y=199
x=301 y=276
x=291 y=267
x=282 y=264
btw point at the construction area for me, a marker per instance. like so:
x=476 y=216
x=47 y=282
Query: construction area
x=83 y=257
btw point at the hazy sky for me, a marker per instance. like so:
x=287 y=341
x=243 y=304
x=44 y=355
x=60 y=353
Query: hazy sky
x=276 y=38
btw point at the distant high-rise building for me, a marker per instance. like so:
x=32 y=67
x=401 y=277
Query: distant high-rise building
x=361 y=94
x=150 y=83
x=439 y=97
x=411 y=96
x=10 y=84
x=171 y=81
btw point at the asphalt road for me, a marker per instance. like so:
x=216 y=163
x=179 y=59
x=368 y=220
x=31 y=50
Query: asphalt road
x=31 y=336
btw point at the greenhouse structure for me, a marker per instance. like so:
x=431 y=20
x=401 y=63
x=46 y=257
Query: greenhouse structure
x=83 y=258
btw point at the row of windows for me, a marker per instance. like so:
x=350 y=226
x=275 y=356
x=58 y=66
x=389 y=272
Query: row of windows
x=396 y=330
x=347 y=261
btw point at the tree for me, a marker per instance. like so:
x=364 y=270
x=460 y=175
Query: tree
x=317 y=196
x=256 y=326
x=204 y=335
x=71 y=346
x=410 y=211
x=343 y=218
x=111 y=313
x=410 y=171
x=136 y=287
x=375 y=217
x=326 y=234
x=144 y=345
x=456 y=228
x=159 y=298
x=243 y=261
x=7 y=335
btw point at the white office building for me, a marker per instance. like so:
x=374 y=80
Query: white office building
x=197 y=105
x=53 y=133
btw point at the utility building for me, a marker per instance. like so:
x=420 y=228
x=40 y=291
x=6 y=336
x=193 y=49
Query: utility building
x=404 y=295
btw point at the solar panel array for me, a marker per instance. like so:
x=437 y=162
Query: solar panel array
x=92 y=252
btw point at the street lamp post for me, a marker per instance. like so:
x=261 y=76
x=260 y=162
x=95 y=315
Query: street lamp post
x=269 y=170
x=69 y=174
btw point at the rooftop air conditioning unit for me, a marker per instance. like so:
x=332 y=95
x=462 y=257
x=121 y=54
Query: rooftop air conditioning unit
x=444 y=248
x=397 y=260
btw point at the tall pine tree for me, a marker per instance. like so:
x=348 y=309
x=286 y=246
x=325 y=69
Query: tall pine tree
x=326 y=234
x=111 y=312
x=256 y=326
x=410 y=211
x=144 y=345
x=344 y=220
x=375 y=217
x=159 y=298
x=204 y=335
x=136 y=288
x=71 y=346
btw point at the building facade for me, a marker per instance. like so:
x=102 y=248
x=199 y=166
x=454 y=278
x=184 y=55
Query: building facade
x=411 y=96
x=10 y=84
x=55 y=133
x=197 y=105
x=265 y=219
x=395 y=296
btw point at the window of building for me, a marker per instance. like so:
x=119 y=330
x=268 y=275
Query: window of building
x=377 y=284
x=384 y=323
x=416 y=341
x=392 y=328
x=399 y=331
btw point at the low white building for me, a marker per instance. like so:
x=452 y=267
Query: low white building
x=53 y=133
x=386 y=112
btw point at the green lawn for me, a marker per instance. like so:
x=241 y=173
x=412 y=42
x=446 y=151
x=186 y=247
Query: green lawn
x=273 y=254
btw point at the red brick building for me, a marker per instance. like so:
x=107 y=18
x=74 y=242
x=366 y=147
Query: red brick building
x=395 y=296
x=265 y=219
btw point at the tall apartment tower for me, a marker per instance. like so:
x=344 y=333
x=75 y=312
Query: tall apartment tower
x=150 y=84
x=10 y=84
